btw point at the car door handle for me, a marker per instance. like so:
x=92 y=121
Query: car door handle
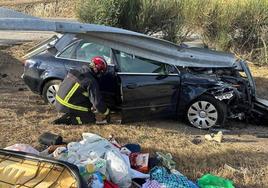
x=132 y=86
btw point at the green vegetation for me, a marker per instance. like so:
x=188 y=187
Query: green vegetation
x=145 y=16
x=239 y=26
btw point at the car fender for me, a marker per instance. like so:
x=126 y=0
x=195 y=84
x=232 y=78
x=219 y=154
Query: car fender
x=51 y=75
x=193 y=88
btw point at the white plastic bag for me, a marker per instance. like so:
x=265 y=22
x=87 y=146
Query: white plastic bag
x=22 y=147
x=118 y=169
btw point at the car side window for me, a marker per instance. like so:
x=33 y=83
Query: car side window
x=84 y=51
x=134 y=64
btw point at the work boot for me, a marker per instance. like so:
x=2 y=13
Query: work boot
x=65 y=119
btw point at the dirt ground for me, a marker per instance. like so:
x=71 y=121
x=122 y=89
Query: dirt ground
x=24 y=116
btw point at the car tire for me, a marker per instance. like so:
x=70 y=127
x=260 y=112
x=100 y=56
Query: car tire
x=49 y=91
x=206 y=112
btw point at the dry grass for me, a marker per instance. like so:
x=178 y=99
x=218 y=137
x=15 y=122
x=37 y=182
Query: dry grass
x=43 y=8
x=261 y=77
x=24 y=116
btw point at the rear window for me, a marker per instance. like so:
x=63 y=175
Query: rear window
x=42 y=46
x=84 y=51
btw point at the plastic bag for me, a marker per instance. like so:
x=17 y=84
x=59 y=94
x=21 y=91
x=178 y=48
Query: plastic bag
x=211 y=181
x=95 y=164
x=118 y=169
x=23 y=147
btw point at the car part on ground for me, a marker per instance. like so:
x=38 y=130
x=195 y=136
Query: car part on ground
x=29 y=170
x=49 y=91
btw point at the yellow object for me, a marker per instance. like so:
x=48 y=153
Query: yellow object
x=85 y=94
x=107 y=112
x=71 y=92
x=217 y=137
x=90 y=168
x=65 y=101
x=23 y=171
x=79 y=120
x=80 y=108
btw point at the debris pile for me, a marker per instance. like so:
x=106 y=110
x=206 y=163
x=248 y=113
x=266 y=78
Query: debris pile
x=106 y=163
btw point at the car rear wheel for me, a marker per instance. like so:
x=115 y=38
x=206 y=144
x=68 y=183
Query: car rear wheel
x=49 y=91
x=206 y=112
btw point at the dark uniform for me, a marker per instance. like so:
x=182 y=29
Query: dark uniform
x=78 y=93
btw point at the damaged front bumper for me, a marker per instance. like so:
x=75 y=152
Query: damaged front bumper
x=247 y=102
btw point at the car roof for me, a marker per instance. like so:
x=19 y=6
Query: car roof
x=120 y=39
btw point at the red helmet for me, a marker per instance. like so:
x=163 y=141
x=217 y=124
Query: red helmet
x=99 y=64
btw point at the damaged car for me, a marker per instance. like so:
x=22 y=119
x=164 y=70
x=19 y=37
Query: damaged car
x=147 y=77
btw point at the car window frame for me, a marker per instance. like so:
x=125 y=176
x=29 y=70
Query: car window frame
x=83 y=61
x=118 y=68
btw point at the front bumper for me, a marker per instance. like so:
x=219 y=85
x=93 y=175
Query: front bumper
x=260 y=107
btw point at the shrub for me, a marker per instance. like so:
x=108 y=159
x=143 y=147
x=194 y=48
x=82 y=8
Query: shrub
x=146 y=16
x=236 y=25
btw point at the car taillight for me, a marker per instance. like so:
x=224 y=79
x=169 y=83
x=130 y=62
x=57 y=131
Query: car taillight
x=24 y=62
x=29 y=63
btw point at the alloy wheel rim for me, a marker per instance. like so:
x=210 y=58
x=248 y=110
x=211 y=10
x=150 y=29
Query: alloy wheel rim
x=202 y=114
x=51 y=93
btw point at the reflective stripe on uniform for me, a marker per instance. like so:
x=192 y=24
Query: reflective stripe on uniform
x=107 y=112
x=85 y=94
x=80 y=108
x=71 y=92
x=79 y=120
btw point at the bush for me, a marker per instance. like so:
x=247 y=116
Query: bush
x=239 y=26
x=236 y=25
x=145 y=16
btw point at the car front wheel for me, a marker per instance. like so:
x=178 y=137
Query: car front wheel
x=49 y=91
x=206 y=112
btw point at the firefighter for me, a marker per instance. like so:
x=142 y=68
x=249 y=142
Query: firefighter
x=79 y=93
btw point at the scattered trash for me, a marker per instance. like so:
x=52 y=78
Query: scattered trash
x=134 y=148
x=139 y=161
x=22 y=147
x=108 y=184
x=215 y=137
x=166 y=160
x=52 y=148
x=168 y=180
x=151 y=184
x=196 y=140
x=48 y=139
x=211 y=181
x=105 y=163
x=113 y=141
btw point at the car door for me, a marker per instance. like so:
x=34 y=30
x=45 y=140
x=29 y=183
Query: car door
x=81 y=52
x=148 y=88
